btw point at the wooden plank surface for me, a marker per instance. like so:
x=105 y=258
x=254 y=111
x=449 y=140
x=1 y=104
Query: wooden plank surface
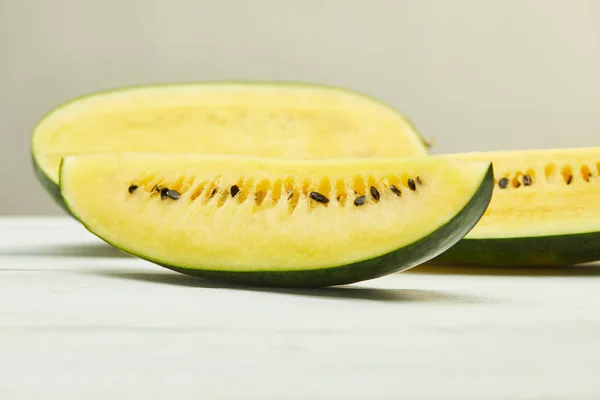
x=79 y=320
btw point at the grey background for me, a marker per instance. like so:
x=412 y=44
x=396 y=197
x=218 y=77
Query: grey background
x=475 y=74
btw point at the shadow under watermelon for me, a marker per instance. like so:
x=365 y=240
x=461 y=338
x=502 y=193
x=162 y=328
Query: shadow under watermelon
x=591 y=270
x=349 y=292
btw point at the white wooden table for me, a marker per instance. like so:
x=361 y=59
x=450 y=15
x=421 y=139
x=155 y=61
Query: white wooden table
x=79 y=320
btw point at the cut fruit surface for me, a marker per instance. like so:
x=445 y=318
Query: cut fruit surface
x=545 y=210
x=270 y=221
x=256 y=119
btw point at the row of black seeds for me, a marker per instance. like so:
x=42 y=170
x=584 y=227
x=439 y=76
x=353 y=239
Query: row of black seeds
x=360 y=200
x=527 y=181
x=316 y=196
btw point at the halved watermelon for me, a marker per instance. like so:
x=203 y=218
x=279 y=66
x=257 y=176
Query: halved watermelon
x=283 y=222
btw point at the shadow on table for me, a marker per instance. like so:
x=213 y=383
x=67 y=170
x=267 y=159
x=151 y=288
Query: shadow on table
x=95 y=250
x=104 y=250
x=350 y=292
x=592 y=269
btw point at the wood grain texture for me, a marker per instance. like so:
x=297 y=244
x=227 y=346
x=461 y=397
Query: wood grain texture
x=81 y=320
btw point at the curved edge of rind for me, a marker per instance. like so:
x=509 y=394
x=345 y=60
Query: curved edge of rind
x=539 y=251
x=396 y=261
x=50 y=187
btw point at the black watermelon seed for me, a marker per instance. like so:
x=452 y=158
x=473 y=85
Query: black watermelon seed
x=526 y=180
x=359 y=201
x=290 y=195
x=411 y=184
x=235 y=189
x=163 y=193
x=132 y=188
x=173 y=194
x=569 y=179
x=395 y=190
x=374 y=192
x=316 y=196
x=214 y=191
x=503 y=183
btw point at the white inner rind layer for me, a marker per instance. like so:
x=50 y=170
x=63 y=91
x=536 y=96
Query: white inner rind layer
x=238 y=234
x=562 y=198
x=266 y=120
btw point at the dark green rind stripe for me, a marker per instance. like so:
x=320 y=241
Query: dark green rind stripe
x=548 y=251
x=52 y=188
x=399 y=260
